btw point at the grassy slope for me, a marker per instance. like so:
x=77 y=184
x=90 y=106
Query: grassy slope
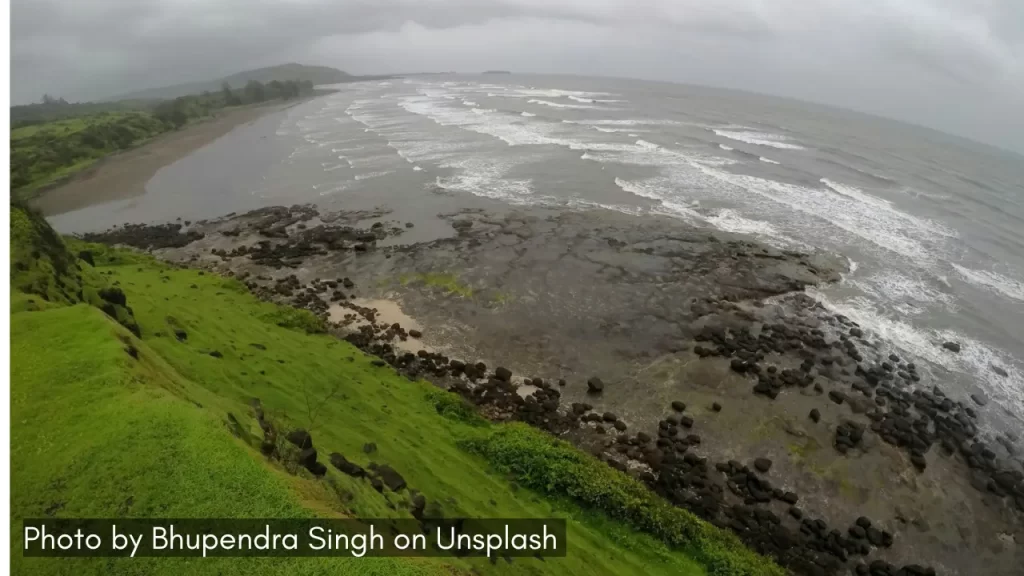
x=96 y=433
x=42 y=154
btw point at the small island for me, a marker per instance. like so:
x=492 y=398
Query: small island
x=496 y=72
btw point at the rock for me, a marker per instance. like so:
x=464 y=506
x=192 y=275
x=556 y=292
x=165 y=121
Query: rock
x=762 y=464
x=836 y=396
x=815 y=415
x=346 y=467
x=857 y=532
x=377 y=484
x=86 y=256
x=216 y=354
x=316 y=468
x=307 y=457
x=378 y=363
x=180 y=334
x=415 y=333
x=951 y=346
x=300 y=438
x=738 y=365
x=609 y=417
x=369 y=447
x=1000 y=371
x=979 y=399
x=594 y=385
x=503 y=374
x=716 y=407
x=562 y=382
x=392 y=479
x=114 y=295
x=620 y=426
x=132 y=351
x=678 y=406
x=918 y=461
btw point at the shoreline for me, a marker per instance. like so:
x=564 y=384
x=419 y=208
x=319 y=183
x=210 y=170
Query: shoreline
x=124 y=175
x=677 y=322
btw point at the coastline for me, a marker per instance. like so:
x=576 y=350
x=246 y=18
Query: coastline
x=124 y=175
x=677 y=322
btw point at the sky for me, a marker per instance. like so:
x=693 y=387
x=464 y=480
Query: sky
x=953 y=65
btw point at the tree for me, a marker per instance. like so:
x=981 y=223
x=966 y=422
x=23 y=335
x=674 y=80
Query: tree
x=230 y=99
x=255 y=91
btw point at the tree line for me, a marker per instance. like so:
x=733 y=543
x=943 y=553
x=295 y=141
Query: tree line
x=179 y=111
x=56 y=138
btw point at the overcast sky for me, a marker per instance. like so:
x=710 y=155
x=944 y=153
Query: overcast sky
x=955 y=65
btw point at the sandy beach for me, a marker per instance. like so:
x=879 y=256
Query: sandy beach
x=124 y=175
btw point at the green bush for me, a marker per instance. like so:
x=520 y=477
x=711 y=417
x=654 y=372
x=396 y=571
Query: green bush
x=557 y=468
x=296 y=319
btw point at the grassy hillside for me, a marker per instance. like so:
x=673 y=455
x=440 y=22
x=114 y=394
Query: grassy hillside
x=106 y=423
x=316 y=74
x=44 y=153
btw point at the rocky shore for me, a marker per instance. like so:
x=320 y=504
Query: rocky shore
x=688 y=358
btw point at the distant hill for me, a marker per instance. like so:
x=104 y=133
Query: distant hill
x=315 y=74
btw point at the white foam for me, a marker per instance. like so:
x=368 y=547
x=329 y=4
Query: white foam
x=557 y=105
x=528 y=115
x=893 y=286
x=888 y=228
x=731 y=221
x=369 y=175
x=417 y=168
x=584 y=100
x=483 y=176
x=767 y=160
x=974 y=360
x=468 y=103
x=1009 y=287
x=726 y=148
x=483 y=110
x=758 y=139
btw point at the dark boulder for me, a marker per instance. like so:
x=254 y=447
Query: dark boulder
x=86 y=256
x=951 y=346
x=392 y=479
x=595 y=385
x=354 y=470
x=216 y=354
x=1000 y=371
x=979 y=399
x=502 y=373
x=300 y=438
x=307 y=457
x=836 y=396
x=180 y=334
x=815 y=415
x=415 y=333
x=678 y=406
x=114 y=295
x=762 y=464
x=316 y=468
x=716 y=407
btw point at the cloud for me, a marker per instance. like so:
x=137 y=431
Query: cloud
x=875 y=55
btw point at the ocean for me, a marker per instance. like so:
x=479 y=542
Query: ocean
x=932 y=224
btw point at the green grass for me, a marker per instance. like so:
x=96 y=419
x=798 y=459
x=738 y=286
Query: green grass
x=96 y=433
x=44 y=153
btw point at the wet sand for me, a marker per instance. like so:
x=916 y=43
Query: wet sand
x=124 y=175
